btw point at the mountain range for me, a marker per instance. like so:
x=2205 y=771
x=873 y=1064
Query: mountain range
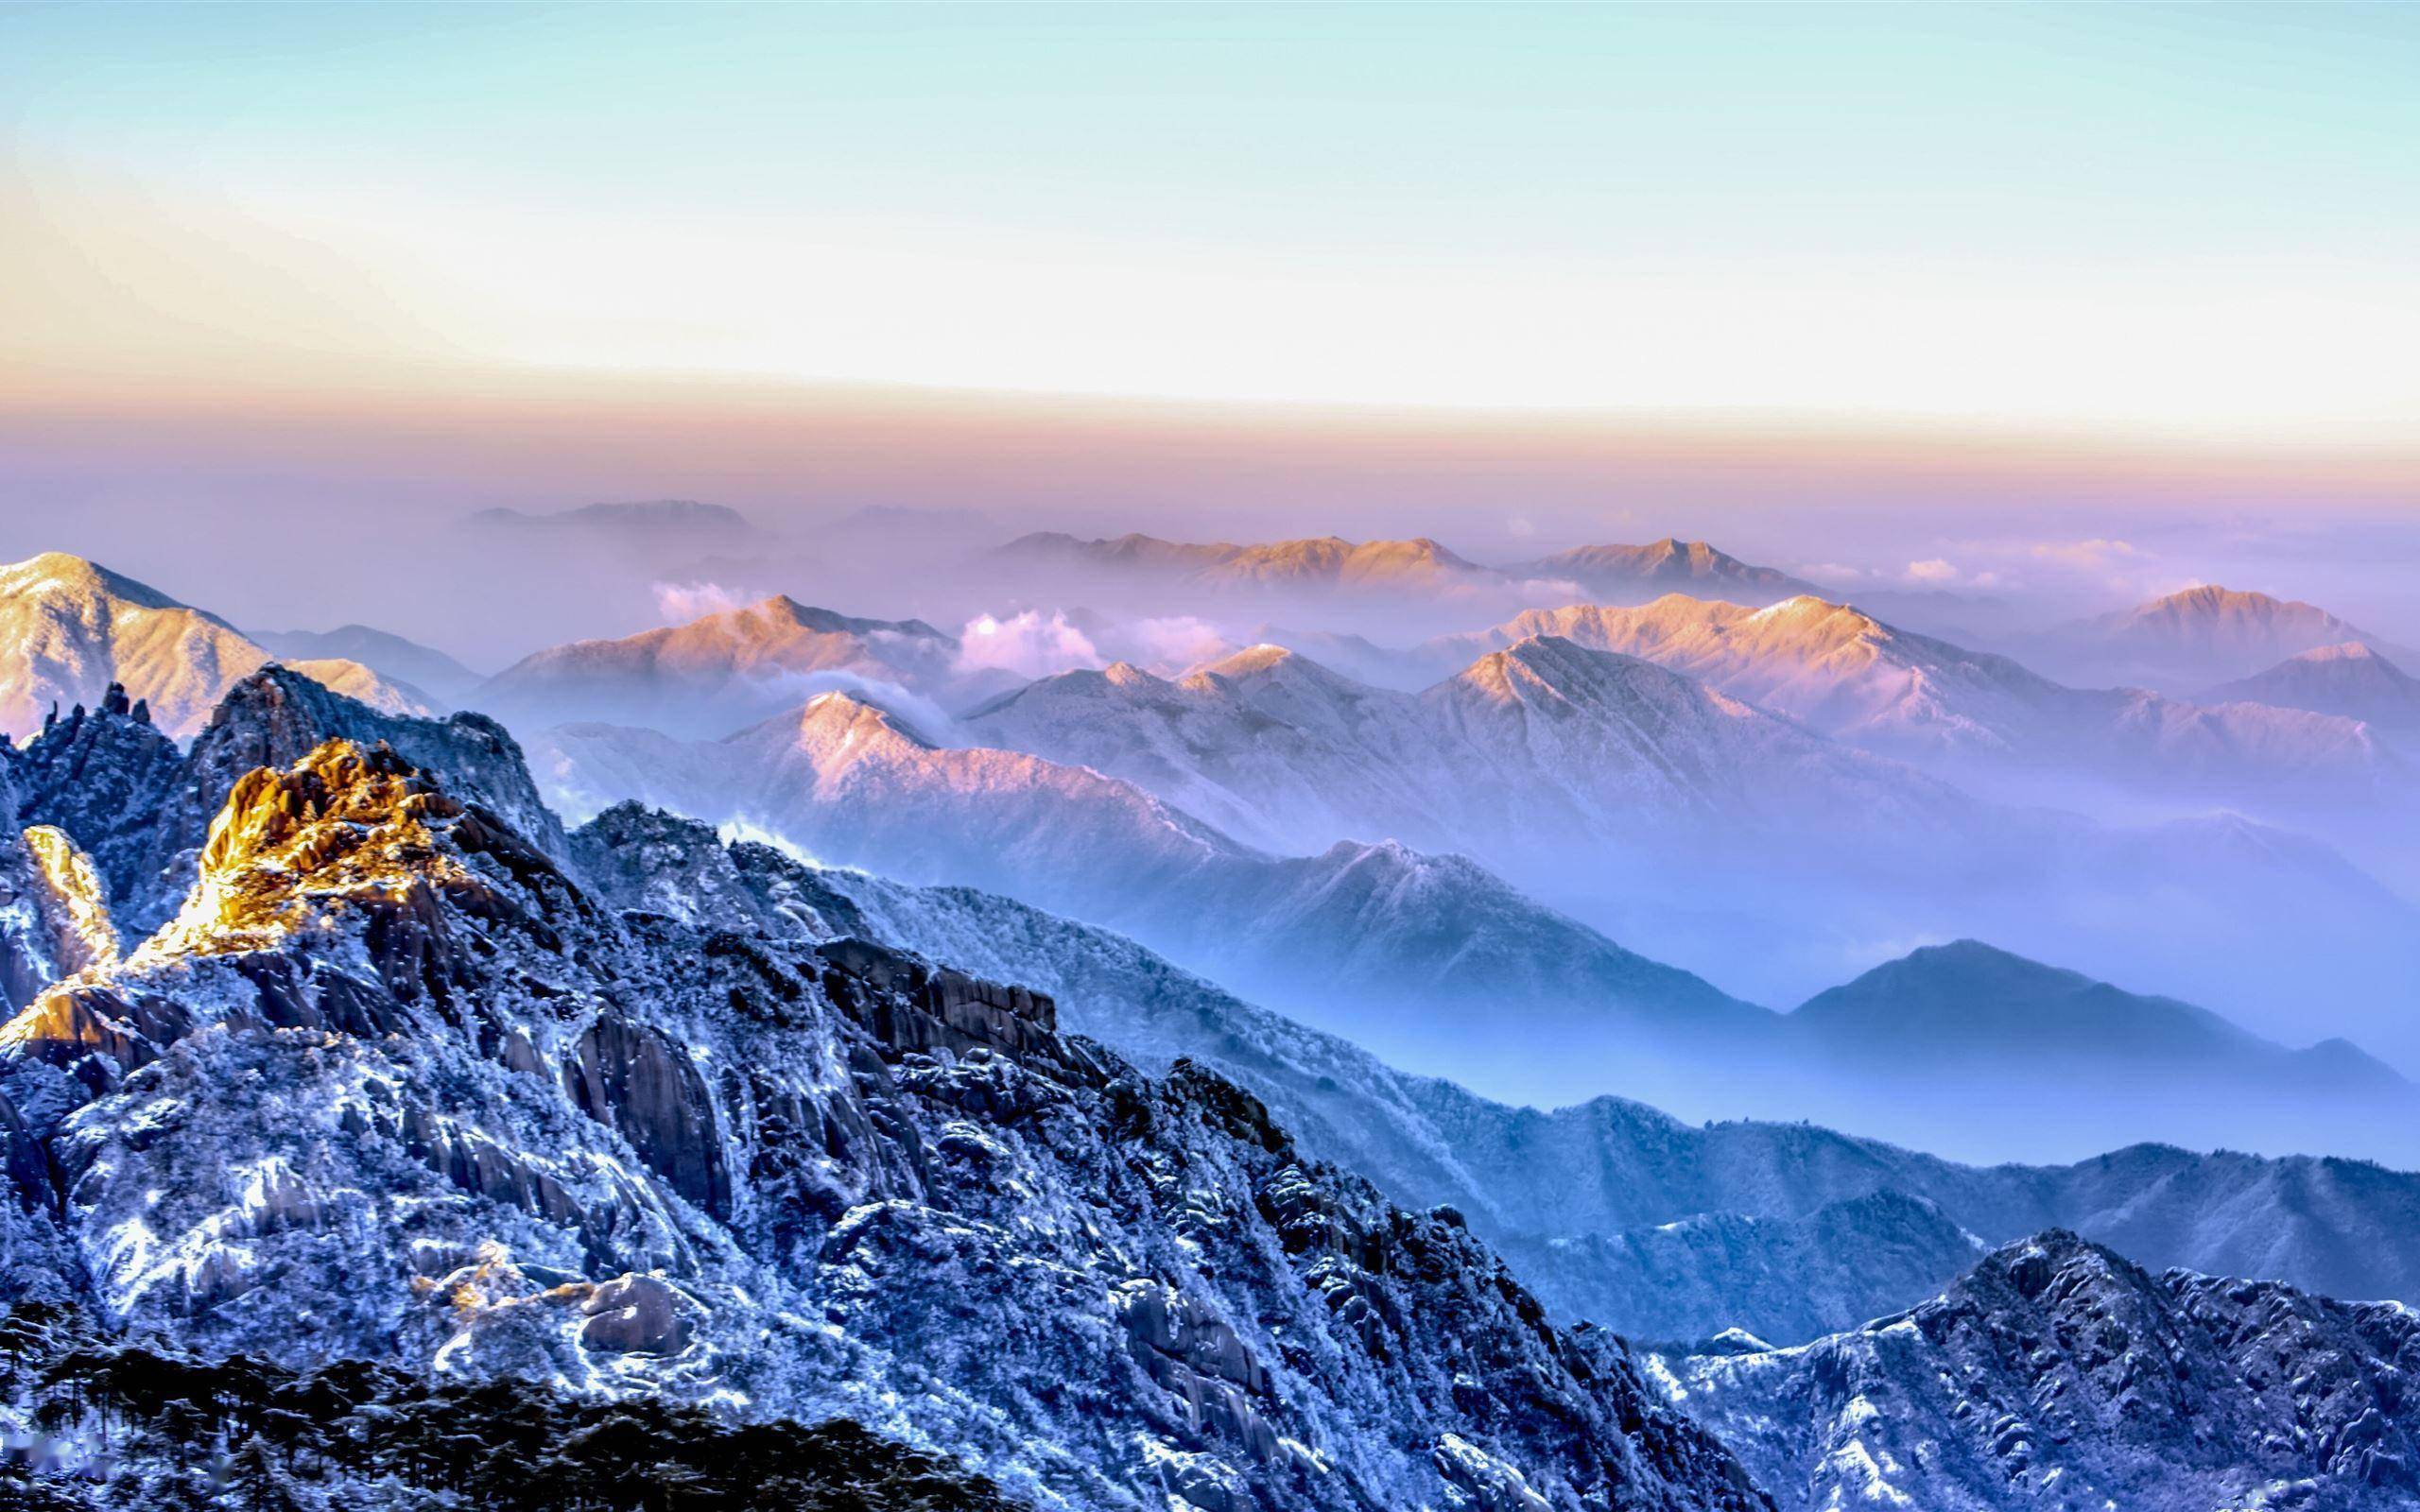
x=411 y=1078
x=2352 y=680
x=393 y=1087
x=716 y=673
x=1621 y=575
x=1249 y=816
x=390 y=656
x=1616 y=573
x=1542 y=739
x=69 y=629
x=2195 y=638
x=1432 y=960
x=1848 y=675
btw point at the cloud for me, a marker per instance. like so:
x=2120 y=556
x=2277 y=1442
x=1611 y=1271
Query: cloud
x=1027 y=645
x=2096 y=554
x=1935 y=572
x=679 y=603
x=1176 y=642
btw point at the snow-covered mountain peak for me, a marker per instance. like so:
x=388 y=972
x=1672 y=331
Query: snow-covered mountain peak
x=831 y=722
x=70 y=628
x=60 y=575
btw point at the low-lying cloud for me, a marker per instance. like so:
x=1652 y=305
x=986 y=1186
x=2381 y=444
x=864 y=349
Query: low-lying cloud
x=679 y=603
x=1028 y=645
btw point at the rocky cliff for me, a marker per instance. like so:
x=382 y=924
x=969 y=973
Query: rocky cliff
x=392 y=1085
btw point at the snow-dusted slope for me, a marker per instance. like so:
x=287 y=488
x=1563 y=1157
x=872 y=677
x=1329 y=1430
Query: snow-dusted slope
x=1634 y=575
x=2193 y=639
x=1613 y=1210
x=1543 y=742
x=2056 y=1374
x=1435 y=961
x=69 y=628
x=1848 y=675
x=2350 y=680
x=1583 y=1198
x=716 y=673
x=1373 y=937
x=395 y=1086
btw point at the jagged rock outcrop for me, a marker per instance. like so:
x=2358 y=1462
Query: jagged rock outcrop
x=100 y=776
x=2057 y=1375
x=392 y=1085
x=143 y=810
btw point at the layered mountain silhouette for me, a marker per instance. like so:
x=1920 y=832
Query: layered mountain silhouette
x=390 y=656
x=1324 y=562
x=2353 y=680
x=1626 y=575
x=2200 y=636
x=443 y=1085
x=713 y=673
x=1853 y=676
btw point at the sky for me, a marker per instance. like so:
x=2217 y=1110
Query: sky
x=1498 y=273
x=2148 y=220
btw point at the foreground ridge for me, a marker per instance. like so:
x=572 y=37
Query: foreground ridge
x=395 y=1086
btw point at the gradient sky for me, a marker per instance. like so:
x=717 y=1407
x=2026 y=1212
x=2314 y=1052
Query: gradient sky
x=2141 y=222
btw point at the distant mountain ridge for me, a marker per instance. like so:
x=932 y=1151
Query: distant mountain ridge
x=1542 y=742
x=716 y=673
x=1331 y=561
x=1856 y=678
x=2352 y=679
x=1620 y=573
x=1357 y=925
x=1322 y=561
x=696 y=525
x=2198 y=637
x=390 y=656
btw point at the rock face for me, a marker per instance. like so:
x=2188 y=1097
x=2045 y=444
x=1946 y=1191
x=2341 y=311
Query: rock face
x=119 y=787
x=2058 y=1375
x=393 y=1086
x=100 y=776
